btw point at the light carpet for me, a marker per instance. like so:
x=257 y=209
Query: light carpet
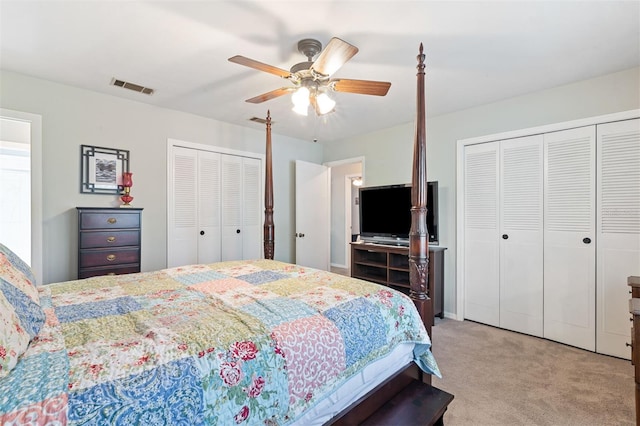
x=499 y=377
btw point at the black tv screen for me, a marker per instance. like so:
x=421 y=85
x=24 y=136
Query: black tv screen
x=385 y=213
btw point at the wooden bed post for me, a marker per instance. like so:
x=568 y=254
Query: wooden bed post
x=418 y=235
x=269 y=227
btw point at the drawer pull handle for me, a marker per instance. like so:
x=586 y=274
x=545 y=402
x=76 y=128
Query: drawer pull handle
x=111 y=239
x=112 y=220
x=111 y=257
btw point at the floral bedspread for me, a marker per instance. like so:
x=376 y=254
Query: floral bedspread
x=247 y=342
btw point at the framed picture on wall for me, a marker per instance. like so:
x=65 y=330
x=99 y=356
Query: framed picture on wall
x=102 y=168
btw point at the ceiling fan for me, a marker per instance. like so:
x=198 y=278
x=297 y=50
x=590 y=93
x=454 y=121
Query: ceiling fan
x=312 y=79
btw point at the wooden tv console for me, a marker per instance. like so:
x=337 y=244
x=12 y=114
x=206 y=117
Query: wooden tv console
x=389 y=265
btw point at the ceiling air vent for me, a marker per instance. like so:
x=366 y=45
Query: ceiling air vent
x=132 y=86
x=259 y=120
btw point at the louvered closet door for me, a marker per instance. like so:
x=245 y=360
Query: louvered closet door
x=481 y=244
x=194 y=222
x=569 y=246
x=232 y=207
x=241 y=218
x=208 y=188
x=521 y=235
x=183 y=220
x=618 y=168
x=252 y=208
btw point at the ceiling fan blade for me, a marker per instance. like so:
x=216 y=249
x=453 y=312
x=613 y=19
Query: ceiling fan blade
x=270 y=95
x=336 y=53
x=363 y=87
x=260 y=66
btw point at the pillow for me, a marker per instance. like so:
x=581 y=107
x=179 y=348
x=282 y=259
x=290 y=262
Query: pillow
x=14 y=340
x=18 y=263
x=17 y=284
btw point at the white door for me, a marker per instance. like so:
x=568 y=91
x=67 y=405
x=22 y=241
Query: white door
x=569 y=237
x=313 y=195
x=618 y=225
x=481 y=267
x=232 y=207
x=194 y=219
x=521 y=235
x=214 y=207
x=252 y=208
x=182 y=246
x=208 y=187
x=241 y=218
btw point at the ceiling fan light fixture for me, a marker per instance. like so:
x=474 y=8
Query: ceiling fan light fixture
x=325 y=103
x=300 y=99
x=301 y=110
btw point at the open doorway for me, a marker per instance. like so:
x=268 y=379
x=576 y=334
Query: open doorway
x=21 y=186
x=344 y=211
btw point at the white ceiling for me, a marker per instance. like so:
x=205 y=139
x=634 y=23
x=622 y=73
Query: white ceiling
x=477 y=52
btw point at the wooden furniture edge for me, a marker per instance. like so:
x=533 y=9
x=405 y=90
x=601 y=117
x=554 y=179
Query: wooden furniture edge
x=634 y=310
x=369 y=269
x=358 y=411
x=418 y=234
x=269 y=226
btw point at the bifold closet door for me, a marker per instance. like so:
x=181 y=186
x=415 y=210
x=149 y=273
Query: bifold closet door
x=618 y=224
x=569 y=237
x=241 y=218
x=521 y=235
x=194 y=219
x=481 y=244
x=209 y=201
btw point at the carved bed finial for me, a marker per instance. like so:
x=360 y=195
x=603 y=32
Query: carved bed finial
x=421 y=58
x=269 y=227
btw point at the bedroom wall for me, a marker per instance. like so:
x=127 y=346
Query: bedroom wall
x=73 y=116
x=388 y=153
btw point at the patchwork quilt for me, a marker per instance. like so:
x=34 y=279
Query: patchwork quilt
x=243 y=342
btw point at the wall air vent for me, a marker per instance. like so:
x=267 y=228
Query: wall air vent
x=132 y=86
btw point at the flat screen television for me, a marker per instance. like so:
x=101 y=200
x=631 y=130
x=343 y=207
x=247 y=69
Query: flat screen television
x=385 y=213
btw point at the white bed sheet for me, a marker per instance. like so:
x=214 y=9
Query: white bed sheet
x=357 y=386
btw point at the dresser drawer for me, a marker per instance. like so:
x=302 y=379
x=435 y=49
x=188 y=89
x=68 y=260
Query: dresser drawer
x=105 y=257
x=107 y=220
x=107 y=239
x=106 y=270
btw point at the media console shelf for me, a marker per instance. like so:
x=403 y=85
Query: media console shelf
x=389 y=265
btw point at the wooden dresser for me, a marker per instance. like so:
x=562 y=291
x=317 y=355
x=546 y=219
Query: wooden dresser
x=634 y=309
x=108 y=241
x=389 y=265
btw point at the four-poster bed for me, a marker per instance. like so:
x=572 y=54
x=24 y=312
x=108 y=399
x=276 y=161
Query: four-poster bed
x=256 y=341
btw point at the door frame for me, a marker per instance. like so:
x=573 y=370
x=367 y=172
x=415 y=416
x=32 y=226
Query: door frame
x=347 y=212
x=171 y=143
x=348 y=216
x=37 y=244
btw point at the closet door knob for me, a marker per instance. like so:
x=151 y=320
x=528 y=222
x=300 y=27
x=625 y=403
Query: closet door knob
x=586 y=240
x=237 y=231
x=505 y=237
x=201 y=232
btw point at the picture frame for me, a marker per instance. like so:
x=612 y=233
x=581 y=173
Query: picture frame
x=102 y=168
